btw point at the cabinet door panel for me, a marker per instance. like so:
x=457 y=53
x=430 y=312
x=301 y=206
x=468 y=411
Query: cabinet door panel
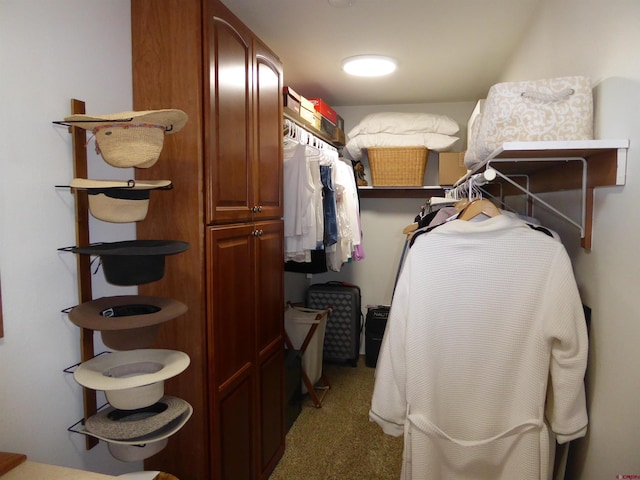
x=235 y=435
x=230 y=130
x=267 y=178
x=230 y=298
x=271 y=413
x=269 y=296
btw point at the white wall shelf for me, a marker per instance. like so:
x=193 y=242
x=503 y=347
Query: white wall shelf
x=530 y=168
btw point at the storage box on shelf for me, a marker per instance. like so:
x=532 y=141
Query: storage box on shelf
x=397 y=166
x=291 y=99
x=451 y=167
x=325 y=110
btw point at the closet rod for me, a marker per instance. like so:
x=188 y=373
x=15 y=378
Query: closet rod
x=475 y=180
x=292 y=125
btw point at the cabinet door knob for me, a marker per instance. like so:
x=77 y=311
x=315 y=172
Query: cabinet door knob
x=259 y=208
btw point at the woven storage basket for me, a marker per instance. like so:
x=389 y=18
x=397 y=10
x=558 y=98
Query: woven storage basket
x=397 y=166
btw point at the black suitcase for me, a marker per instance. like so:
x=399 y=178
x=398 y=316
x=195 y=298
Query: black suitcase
x=344 y=323
x=374 y=327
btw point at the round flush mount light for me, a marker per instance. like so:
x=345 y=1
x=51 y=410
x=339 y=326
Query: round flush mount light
x=369 y=65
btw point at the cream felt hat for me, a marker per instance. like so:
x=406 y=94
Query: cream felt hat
x=126 y=322
x=134 y=378
x=131 y=139
x=119 y=201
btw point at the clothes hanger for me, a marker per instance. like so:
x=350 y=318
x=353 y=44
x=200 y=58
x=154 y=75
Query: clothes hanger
x=410 y=228
x=477 y=207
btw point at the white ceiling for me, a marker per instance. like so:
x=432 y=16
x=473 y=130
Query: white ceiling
x=447 y=50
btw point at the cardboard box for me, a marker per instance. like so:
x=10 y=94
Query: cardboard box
x=327 y=127
x=450 y=167
x=291 y=99
x=306 y=104
x=308 y=115
x=325 y=110
x=339 y=137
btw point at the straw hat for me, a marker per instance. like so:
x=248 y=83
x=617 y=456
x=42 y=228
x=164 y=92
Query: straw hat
x=144 y=446
x=126 y=322
x=134 y=378
x=131 y=139
x=114 y=424
x=119 y=201
x=132 y=262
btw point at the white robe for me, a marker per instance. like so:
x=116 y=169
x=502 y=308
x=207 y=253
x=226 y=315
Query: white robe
x=483 y=360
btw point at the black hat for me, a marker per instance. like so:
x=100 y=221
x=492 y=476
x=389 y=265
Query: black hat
x=132 y=262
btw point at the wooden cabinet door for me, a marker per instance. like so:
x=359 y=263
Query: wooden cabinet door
x=229 y=146
x=267 y=165
x=231 y=351
x=269 y=306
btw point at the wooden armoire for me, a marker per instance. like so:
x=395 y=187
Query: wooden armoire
x=226 y=201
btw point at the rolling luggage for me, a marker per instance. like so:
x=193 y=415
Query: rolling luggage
x=344 y=323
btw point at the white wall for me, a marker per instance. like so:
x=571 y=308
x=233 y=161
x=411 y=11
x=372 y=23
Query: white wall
x=51 y=51
x=600 y=39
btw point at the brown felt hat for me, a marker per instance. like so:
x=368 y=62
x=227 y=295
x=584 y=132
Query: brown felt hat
x=126 y=322
x=119 y=201
x=131 y=139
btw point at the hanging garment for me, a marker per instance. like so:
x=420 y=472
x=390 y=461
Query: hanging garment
x=299 y=208
x=483 y=360
x=346 y=197
x=329 y=206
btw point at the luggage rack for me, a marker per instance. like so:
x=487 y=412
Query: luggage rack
x=316 y=319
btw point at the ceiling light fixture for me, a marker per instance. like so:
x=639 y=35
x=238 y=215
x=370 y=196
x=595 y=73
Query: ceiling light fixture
x=369 y=65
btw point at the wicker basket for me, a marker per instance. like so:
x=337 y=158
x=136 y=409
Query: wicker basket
x=397 y=166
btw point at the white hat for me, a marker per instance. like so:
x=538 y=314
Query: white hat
x=132 y=378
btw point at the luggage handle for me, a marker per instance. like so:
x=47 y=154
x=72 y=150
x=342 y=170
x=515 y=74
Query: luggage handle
x=548 y=97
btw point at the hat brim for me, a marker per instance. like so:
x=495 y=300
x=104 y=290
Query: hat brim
x=133 y=248
x=133 y=262
x=125 y=312
x=132 y=425
x=88 y=184
x=130 y=369
x=173 y=120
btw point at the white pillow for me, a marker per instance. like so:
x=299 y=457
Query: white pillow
x=403 y=123
x=433 y=141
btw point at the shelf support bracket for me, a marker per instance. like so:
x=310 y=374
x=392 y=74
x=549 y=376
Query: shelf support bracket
x=586 y=209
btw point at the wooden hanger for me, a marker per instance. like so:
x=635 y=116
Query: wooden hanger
x=461 y=204
x=477 y=207
x=410 y=228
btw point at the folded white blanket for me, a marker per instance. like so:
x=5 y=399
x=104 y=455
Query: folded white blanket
x=433 y=141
